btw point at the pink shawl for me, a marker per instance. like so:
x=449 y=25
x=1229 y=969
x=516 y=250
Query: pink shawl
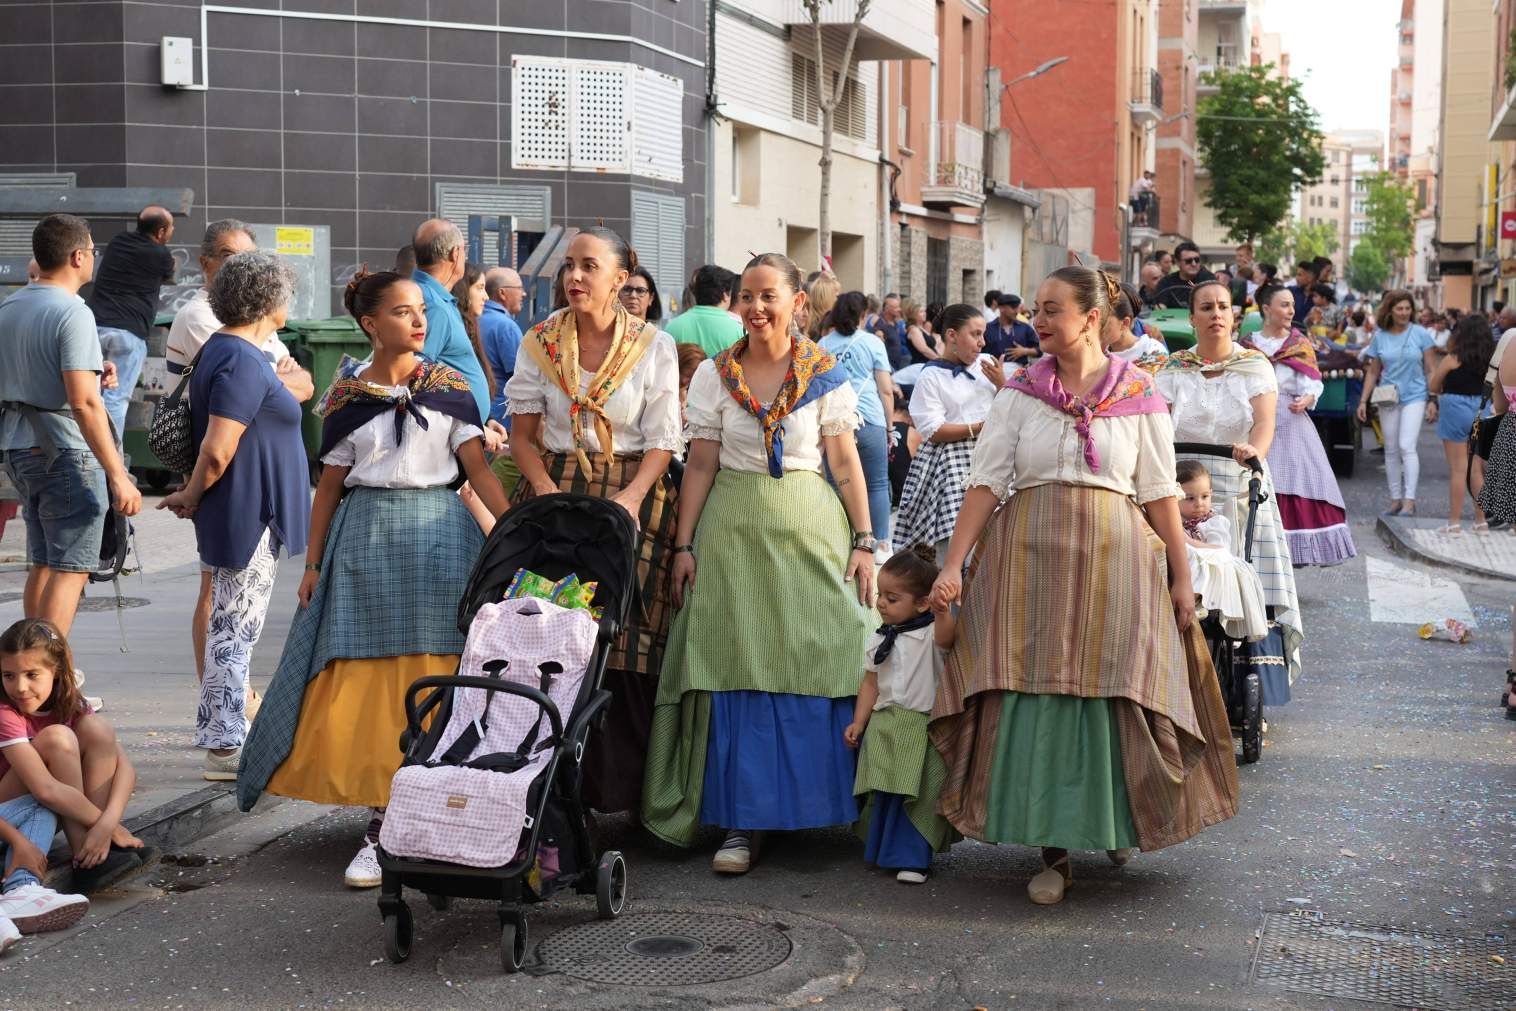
x=1125 y=389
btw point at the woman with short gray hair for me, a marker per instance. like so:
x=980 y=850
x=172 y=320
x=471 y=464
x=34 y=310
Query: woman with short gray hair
x=249 y=494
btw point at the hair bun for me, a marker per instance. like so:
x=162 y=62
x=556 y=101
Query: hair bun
x=350 y=292
x=1112 y=287
x=924 y=551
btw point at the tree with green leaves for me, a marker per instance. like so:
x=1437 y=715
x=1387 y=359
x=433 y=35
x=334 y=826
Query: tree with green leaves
x=1388 y=208
x=1293 y=240
x=1259 y=139
x=1368 y=267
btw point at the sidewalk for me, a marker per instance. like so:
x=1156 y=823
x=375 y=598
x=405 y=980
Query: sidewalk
x=1492 y=555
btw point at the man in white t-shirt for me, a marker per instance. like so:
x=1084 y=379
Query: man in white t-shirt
x=193 y=325
x=1505 y=325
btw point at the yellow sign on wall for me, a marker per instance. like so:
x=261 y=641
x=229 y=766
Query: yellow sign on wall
x=295 y=241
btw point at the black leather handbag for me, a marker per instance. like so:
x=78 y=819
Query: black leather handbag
x=169 y=435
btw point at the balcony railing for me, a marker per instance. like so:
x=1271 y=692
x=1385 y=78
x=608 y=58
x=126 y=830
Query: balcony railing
x=958 y=175
x=1147 y=96
x=1145 y=217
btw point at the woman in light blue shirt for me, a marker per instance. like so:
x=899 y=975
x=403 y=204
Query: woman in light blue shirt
x=1402 y=355
x=868 y=369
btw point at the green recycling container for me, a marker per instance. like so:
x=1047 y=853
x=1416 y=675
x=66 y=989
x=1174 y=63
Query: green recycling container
x=1173 y=326
x=318 y=345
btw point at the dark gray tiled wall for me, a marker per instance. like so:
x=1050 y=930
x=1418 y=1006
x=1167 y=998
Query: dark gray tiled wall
x=346 y=125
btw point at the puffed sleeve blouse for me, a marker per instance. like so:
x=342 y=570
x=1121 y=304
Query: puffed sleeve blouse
x=1218 y=410
x=1026 y=443
x=944 y=397
x=1292 y=383
x=712 y=414
x=643 y=412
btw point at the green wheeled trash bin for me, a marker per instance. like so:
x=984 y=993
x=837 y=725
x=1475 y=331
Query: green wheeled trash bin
x=318 y=345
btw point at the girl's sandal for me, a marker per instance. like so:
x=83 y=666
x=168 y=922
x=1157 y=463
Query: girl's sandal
x=1482 y=527
x=1047 y=888
x=1451 y=529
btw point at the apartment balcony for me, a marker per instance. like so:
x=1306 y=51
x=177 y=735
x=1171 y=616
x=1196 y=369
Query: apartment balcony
x=891 y=30
x=1145 y=218
x=1146 y=103
x=1503 y=127
x=1238 y=7
x=956 y=178
x=1229 y=57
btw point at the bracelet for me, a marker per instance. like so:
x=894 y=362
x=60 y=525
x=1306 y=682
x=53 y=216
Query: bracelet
x=865 y=541
x=312 y=566
x=684 y=549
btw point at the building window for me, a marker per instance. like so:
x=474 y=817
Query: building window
x=1360 y=227
x=658 y=236
x=966 y=73
x=1336 y=181
x=1336 y=202
x=850 y=118
x=745 y=164
x=1360 y=205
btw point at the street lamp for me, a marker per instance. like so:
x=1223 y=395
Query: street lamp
x=1042 y=69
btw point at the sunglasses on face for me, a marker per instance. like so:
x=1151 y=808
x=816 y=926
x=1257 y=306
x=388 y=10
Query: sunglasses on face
x=1189 y=259
x=635 y=292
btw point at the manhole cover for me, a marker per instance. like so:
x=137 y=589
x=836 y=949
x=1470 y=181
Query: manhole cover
x=1305 y=952
x=665 y=949
x=109 y=603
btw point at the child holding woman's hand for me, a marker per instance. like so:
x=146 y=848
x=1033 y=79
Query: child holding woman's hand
x=899 y=771
x=57 y=754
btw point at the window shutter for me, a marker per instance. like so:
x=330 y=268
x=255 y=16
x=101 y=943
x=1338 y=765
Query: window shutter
x=539 y=113
x=658 y=238
x=658 y=123
x=601 y=118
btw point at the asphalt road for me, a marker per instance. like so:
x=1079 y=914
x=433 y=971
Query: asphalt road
x=1386 y=799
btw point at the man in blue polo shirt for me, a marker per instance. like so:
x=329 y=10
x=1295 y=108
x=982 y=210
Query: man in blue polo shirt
x=440 y=261
x=1007 y=337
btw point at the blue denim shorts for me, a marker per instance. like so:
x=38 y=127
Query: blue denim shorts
x=64 y=504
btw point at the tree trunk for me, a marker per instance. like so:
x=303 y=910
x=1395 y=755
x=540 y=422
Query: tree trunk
x=824 y=217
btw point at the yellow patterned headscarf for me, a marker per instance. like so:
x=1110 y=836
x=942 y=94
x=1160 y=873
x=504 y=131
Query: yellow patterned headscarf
x=554 y=346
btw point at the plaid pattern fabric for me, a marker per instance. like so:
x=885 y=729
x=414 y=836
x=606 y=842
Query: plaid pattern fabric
x=897 y=757
x=395 y=566
x=769 y=612
x=475 y=817
x=1271 y=548
x=640 y=646
x=933 y=492
x=1068 y=596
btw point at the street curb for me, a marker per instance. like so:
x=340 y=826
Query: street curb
x=1402 y=546
x=168 y=826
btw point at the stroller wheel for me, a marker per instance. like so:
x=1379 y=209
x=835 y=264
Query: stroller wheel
x=439 y=902
x=398 y=930
x=513 y=941
x=610 y=884
x=1252 y=719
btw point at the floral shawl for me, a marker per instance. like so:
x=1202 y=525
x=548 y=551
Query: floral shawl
x=1124 y=390
x=813 y=373
x=351 y=402
x=1244 y=360
x=554 y=346
x=1297 y=352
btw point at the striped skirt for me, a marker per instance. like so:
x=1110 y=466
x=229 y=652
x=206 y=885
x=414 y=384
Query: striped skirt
x=1271 y=548
x=618 y=749
x=769 y=613
x=1069 y=597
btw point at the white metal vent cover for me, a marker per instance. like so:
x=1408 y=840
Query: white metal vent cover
x=540 y=114
x=530 y=205
x=601 y=117
x=658 y=152
x=658 y=237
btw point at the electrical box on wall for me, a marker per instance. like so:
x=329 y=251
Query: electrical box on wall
x=178 y=55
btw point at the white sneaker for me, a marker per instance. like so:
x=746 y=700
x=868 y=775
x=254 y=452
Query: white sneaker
x=221 y=768
x=364 y=870
x=737 y=853
x=9 y=935
x=35 y=910
x=911 y=877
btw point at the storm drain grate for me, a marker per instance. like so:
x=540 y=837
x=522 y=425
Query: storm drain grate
x=1305 y=952
x=665 y=949
x=109 y=603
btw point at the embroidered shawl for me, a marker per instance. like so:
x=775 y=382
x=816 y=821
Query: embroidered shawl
x=813 y=373
x=1244 y=360
x=1123 y=390
x=554 y=346
x=351 y=402
x=1297 y=352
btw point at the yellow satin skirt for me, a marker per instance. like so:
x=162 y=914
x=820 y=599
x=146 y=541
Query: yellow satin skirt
x=347 y=745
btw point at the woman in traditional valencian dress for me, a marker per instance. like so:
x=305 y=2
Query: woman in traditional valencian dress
x=391 y=548
x=1223 y=393
x=594 y=405
x=1079 y=709
x=762 y=664
x=1310 y=503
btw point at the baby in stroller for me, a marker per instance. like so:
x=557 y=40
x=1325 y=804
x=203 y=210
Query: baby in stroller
x=1226 y=585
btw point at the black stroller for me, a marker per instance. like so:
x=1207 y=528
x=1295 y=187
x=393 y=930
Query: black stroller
x=553 y=535
x=1241 y=686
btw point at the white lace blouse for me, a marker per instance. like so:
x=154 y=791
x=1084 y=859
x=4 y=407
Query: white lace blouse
x=424 y=458
x=713 y=414
x=942 y=397
x=1291 y=383
x=1218 y=411
x=643 y=412
x=1026 y=443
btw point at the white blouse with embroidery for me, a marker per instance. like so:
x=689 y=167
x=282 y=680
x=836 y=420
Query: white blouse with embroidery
x=713 y=414
x=942 y=397
x=1026 y=443
x=643 y=412
x=1291 y=383
x=424 y=457
x=1218 y=411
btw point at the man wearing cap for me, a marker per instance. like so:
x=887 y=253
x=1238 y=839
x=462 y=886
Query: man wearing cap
x=1007 y=337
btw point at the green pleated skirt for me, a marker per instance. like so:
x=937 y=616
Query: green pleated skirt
x=1056 y=778
x=897 y=757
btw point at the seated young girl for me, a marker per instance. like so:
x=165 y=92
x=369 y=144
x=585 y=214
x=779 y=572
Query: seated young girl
x=1226 y=585
x=899 y=772
x=55 y=752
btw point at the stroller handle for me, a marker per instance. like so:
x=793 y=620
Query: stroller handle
x=1210 y=449
x=413 y=719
